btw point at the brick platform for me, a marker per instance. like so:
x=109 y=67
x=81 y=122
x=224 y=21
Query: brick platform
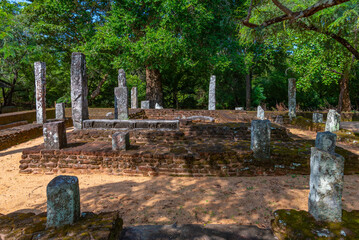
x=194 y=150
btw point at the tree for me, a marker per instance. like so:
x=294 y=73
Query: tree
x=332 y=19
x=16 y=46
x=167 y=37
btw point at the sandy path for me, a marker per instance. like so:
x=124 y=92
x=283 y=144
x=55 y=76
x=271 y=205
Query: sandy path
x=166 y=200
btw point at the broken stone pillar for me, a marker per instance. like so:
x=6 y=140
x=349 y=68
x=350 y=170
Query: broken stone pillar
x=63 y=201
x=212 y=93
x=157 y=106
x=79 y=90
x=120 y=141
x=122 y=102
x=134 y=100
x=260 y=139
x=326 y=141
x=317 y=118
x=326 y=185
x=145 y=104
x=60 y=110
x=239 y=108
x=292 y=89
x=54 y=135
x=333 y=121
x=40 y=85
x=279 y=119
x=260 y=113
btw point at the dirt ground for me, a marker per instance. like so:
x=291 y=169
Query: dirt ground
x=168 y=200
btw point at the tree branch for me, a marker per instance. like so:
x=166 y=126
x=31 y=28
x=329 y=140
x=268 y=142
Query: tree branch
x=334 y=36
x=320 y=5
x=283 y=8
x=98 y=89
x=332 y=70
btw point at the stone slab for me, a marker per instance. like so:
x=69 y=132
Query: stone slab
x=120 y=141
x=55 y=135
x=60 y=110
x=130 y=124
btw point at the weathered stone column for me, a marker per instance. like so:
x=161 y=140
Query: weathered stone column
x=260 y=138
x=79 y=89
x=317 y=117
x=326 y=141
x=292 y=92
x=279 y=119
x=121 y=97
x=40 y=85
x=63 y=201
x=260 y=113
x=212 y=93
x=134 y=100
x=54 y=135
x=120 y=141
x=122 y=102
x=60 y=110
x=326 y=185
x=145 y=104
x=333 y=121
x=122 y=82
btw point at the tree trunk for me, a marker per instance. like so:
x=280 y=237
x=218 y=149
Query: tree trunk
x=248 y=91
x=8 y=99
x=154 y=86
x=344 y=98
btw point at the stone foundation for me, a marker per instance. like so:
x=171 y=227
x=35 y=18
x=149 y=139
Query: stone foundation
x=194 y=150
x=90 y=226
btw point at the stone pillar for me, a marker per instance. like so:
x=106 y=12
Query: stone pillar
x=326 y=185
x=212 y=93
x=260 y=139
x=134 y=100
x=54 y=135
x=122 y=82
x=317 y=118
x=40 y=85
x=292 y=89
x=279 y=119
x=60 y=110
x=116 y=109
x=145 y=104
x=326 y=141
x=120 y=141
x=333 y=121
x=79 y=90
x=260 y=113
x=122 y=102
x=63 y=201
